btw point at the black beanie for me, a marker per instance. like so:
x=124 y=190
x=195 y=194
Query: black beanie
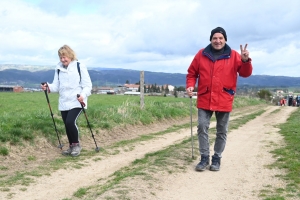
x=218 y=30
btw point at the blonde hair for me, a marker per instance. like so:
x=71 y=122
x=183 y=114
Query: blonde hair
x=67 y=51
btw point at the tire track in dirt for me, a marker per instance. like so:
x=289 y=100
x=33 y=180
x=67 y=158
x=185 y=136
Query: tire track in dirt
x=64 y=182
x=243 y=169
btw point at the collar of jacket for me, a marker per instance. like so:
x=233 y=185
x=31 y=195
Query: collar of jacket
x=62 y=68
x=208 y=53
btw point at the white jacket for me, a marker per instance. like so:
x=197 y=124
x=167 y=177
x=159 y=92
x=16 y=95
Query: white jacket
x=68 y=85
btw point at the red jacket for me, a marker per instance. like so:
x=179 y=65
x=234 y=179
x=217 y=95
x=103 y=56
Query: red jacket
x=216 y=78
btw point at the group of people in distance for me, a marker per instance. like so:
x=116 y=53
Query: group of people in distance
x=291 y=101
x=215 y=68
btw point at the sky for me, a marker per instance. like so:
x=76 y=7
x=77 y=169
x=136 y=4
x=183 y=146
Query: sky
x=149 y=35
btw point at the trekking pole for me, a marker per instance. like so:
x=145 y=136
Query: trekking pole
x=82 y=106
x=192 y=141
x=60 y=145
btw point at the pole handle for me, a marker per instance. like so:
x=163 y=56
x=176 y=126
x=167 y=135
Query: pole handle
x=82 y=103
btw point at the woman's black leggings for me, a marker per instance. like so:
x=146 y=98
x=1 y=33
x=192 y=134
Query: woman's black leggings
x=70 y=117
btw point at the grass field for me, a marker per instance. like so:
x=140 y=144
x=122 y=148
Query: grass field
x=26 y=115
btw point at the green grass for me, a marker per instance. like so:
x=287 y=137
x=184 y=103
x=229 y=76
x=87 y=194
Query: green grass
x=242 y=101
x=80 y=192
x=288 y=158
x=234 y=124
x=3 y=151
x=24 y=116
x=3 y=168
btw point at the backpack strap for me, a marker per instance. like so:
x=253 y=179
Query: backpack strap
x=58 y=70
x=78 y=69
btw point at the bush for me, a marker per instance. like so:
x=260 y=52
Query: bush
x=265 y=94
x=3 y=151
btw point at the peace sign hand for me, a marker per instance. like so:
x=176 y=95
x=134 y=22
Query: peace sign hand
x=244 y=53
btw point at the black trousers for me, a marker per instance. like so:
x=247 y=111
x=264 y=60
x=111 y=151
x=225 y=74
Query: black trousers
x=70 y=117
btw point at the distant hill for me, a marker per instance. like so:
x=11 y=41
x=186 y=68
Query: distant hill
x=31 y=68
x=106 y=76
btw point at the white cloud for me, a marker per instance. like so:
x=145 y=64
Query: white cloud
x=276 y=64
x=150 y=35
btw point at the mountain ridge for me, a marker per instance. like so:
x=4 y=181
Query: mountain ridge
x=111 y=76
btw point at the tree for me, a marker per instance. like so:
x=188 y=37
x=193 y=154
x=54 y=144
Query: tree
x=175 y=92
x=151 y=88
x=158 y=89
x=181 y=88
x=162 y=89
x=167 y=89
x=127 y=82
x=264 y=94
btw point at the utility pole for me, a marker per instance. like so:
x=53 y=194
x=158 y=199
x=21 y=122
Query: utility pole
x=142 y=89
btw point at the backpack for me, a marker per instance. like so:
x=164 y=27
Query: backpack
x=78 y=68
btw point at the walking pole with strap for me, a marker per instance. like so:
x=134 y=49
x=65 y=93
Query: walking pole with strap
x=192 y=141
x=60 y=145
x=82 y=106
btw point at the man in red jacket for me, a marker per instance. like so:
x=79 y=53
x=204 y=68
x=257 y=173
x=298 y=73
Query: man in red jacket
x=216 y=68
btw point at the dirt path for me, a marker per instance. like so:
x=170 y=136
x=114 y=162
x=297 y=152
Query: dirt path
x=243 y=170
x=242 y=174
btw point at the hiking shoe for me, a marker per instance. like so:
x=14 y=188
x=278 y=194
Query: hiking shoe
x=68 y=151
x=203 y=163
x=76 y=149
x=215 y=163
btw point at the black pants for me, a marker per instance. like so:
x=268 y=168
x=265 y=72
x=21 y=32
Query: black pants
x=70 y=117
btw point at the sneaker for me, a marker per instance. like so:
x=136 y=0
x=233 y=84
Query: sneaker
x=215 y=163
x=203 y=163
x=68 y=151
x=76 y=149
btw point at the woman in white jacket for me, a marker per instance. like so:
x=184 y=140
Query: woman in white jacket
x=70 y=78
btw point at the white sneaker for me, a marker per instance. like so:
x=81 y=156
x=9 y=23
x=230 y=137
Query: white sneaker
x=76 y=148
x=68 y=151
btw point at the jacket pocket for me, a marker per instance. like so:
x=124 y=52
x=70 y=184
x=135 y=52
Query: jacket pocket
x=202 y=90
x=229 y=91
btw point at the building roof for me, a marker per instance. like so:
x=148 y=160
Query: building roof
x=131 y=85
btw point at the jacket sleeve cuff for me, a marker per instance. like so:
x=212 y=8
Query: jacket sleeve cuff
x=249 y=60
x=48 y=88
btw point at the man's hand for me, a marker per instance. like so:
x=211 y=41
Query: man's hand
x=189 y=91
x=244 y=53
